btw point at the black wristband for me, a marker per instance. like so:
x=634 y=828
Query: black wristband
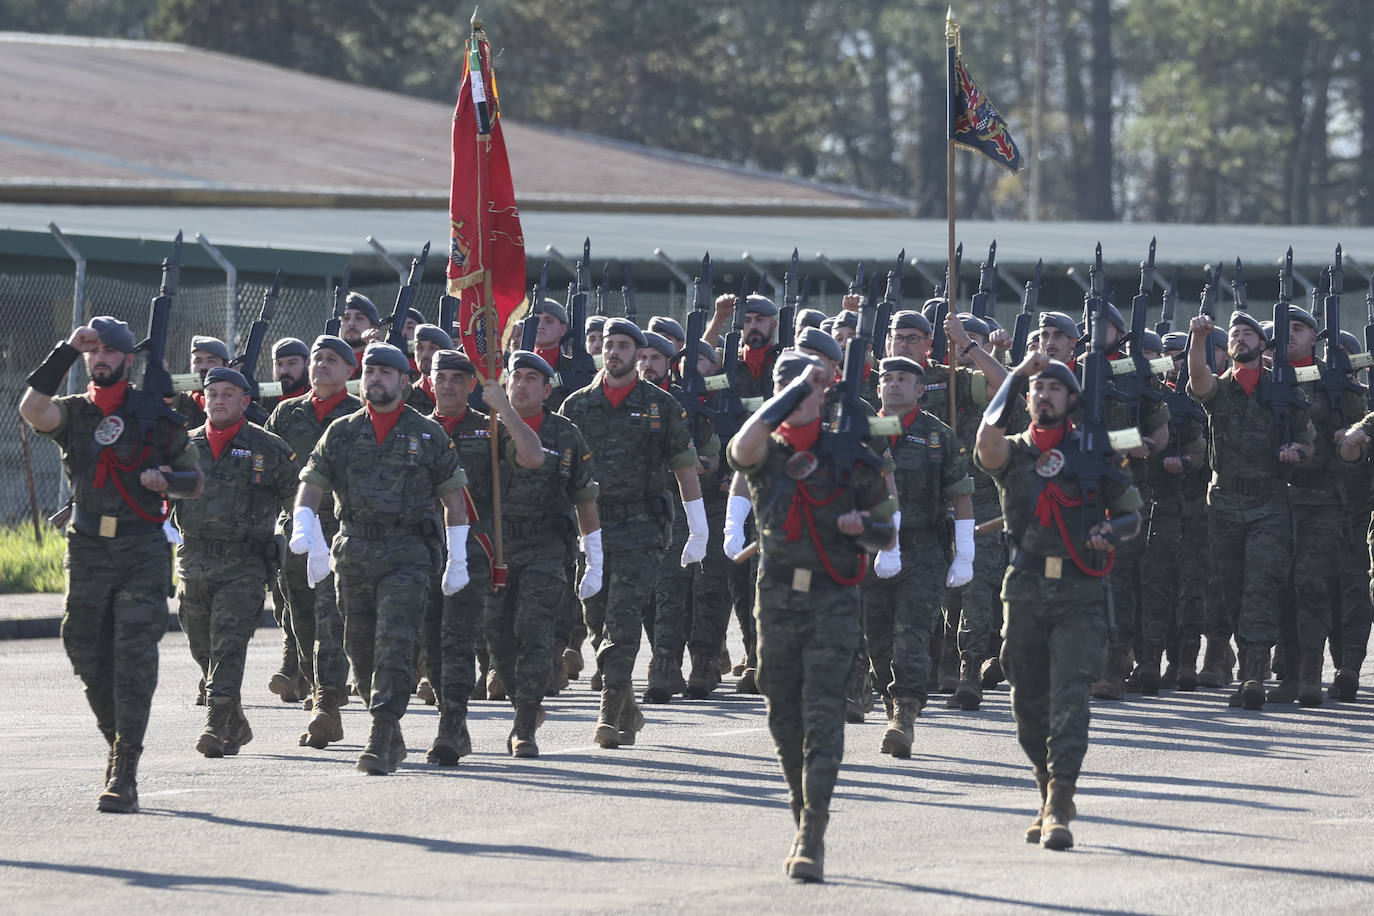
x=972 y=345
x=47 y=378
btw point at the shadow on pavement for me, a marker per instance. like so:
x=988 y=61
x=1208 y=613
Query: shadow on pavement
x=1057 y=906
x=1246 y=866
x=166 y=881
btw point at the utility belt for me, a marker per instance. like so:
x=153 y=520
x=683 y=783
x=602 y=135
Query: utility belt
x=378 y=531
x=1049 y=567
x=1249 y=486
x=798 y=578
x=619 y=511
x=110 y=526
x=1314 y=480
x=558 y=525
x=220 y=547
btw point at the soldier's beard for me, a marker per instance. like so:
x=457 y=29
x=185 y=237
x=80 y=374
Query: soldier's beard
x=654 y=379
x=104 y=377
x=353 y=336
x=1045 y=417
x=380 y=397
x=1246 y=356
x=619 y=372
x=291 y=382
x=755 y=339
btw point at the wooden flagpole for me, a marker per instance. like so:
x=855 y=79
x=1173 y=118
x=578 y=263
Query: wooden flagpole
x=951 y=281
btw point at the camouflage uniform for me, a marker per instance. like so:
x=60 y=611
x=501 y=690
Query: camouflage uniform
x=634 y=448
x=230 y=550
x=536 y=509
x=388 y=543
x=118 y=581
x=1349 y=637
x=899 y=613
x=191 y=405
x=315 y=618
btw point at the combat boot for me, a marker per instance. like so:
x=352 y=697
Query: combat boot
x=807 y=859
x=521 y=741
x=1187 y=664
x=1042 y=782
x=558 y=678
x=200 y=693
x=479 y=690
x=495 y=689
x=1059 y=810
x=901 y=730
x=747 y=682
x=594 y=682
x=631 y=720
x=890 y=707
x=1286 y=664
x=1214 y=671
x=424 y=692
x=240 y=733
x=724 y=664
x=572 y=663
x=659 y=689
x=703 y=678
x=212 y=741
x=1112 y=684
x=676 y=684
x=607 y=732
x=992 y=674
x=1250 y=694
x=968 y=696
x=1147 y=670
x=949 y=664
x=377 y=756
x=326 y=725
x=1345 y=684
x=452 y=742
x=121 y=790
x=285 y=683
x=1310 y=679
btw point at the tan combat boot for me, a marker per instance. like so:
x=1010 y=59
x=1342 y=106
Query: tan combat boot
x=376 y=758
x=607 y=732
x=218 y=717
x=1112 y=684
x=326 y=725
x=452 y=741
x=901 y=730
x=1250 y=693
x=121 y=791
x=285 y=683
x=1310 y=679
x=572 y=663
x=495 y=689
x=807 y=858
x=1215 y=671
x=1042 y=782
x=1058 y=811
x=631 y=720
x=239 y=731
x=703 y=678
x=521 y=742
x=968 y=696
x=1345 y=684
x=1287 y=661
x=1187 y=664
x=659 y=690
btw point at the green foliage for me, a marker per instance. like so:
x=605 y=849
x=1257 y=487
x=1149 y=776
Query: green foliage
x=26 y=566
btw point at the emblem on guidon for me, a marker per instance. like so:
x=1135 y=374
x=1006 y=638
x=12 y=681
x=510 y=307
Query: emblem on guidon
x=109 y=430
x=1050 y=463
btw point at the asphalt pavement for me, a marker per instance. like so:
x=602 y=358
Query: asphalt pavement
x=1185 y=806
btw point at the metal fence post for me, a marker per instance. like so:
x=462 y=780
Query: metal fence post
x=390 y=259
x=231 y=299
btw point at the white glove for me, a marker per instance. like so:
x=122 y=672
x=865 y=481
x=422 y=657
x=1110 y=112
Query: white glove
x=736 y=511
x=170 y=532
x=698 y=532
x=961 y=570
x=591 y=578
x=889 y=562
x=317 y=564
x=456 y=569
x=303 y=522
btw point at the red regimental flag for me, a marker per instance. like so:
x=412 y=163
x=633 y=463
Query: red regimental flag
x=486 y=245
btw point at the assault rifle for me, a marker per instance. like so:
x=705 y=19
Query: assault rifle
x=847 y=440
x=603 y=292
x=1369 y=338
x=731 y=410
x=691 y=391
x=248 y=362
x=787 y=314
x=1238 y=287
x=1029 y=302
x=1134 y=377
x=1166 y=317
x=1279 y=390
x=580 y=366
x=529 y=328
x=627 y=293
x=1337 y=376
x=405 y=298
x=331 y=325
x=148 y=402
x=883 y=316
x=856 y=286
x=985 y=300
x=448 y=314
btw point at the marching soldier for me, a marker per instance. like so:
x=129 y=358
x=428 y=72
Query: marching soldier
x=901 y=605
x=595 y=325
x=122 y=465
x=807 y=604
x=307 y=581
x=229 y=550
x=429 y=339
x=546 y=476
x=638 y=435
x=1055 y=634
x=759 y=351
x=359 y=323
x=1249 y=516
x=206 y=353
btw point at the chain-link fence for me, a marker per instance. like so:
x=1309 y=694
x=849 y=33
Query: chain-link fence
x=36 y=311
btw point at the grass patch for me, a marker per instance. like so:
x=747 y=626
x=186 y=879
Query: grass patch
x=29 y=567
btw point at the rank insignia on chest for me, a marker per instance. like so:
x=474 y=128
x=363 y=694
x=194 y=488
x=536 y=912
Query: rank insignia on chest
x=655 y=417
x=934 y=441
x=477 y=434
x=565 y=463
x=936 y=386
x=412 y=451
x=244 y=453
x=109 y=430
x=259 y=465
x=917 y=440
x=1049 y=463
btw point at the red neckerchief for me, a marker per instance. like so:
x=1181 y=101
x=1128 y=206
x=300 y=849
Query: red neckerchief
x=868 y=367
x=1073 y=363
x=451 y=423
x=358 y=358
x=616 y=395
x=801 y=438
x=664 y=384
x=1115 y=355
x=550 y=355
x=199 y=398
x=325 y=408
x=1248 y=379
x=535 y=421
x=754 y=358
x=383 y=421
x=1046 y=439
x=1305 y=361
x=907 y=420
x=427 y=386
x=297 y=392
x=109 y=398
x=219 y=438
x=1050 y=504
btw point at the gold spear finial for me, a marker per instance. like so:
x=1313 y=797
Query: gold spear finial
x=476 y=20
x=951 y=29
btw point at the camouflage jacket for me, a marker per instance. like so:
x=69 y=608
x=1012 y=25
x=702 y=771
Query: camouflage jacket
x=749 y=386
x=1322 y=481
x=294 y=420
x=472 y=437
x=537 y=503
x=189 y=407
x=931 y=469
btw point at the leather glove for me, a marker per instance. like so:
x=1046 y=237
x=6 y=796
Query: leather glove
x=317 y=564
x=961 y=569
x=698 y=531
x=591 y=578
x=887 y=563
x=456 y=569
x=736 y=511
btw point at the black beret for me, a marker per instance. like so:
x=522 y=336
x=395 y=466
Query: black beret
x=339 y=346
x=212 y=345
x=901 y=364
x=1113 y=315
x=973 y=324
x=1350 y=343
x=1218 y=338
x=624 y=326
x=596 y=323
x=451 y=359
x=909 y=320
x=1175 y=341
x=1296 y=313
x=817 y=341
x=225 y=374
x=708 y=351
x=435 y=335
x=809 y=318
x=656 y=341
x=846 y=319
x=667 y=327
x=931 y=307
x=992 y=323
x=525 y=359
x=1245 y=318
x=416 y=315
x=791 y=364
x=1061 y=321
x=363 y=304
x=1152 y=341
x=760 y=305
x=1267 y=329
x=555 y=308
x=114 y=333
x=1061 y=372
x=827 y=325
x=290 y=346
x=387 y=356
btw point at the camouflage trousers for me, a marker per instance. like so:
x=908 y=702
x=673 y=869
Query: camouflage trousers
x=807 y=643
x=449 y=632
x=281 y=613
x=114 y=615
x=1054 y=640
x=741 y=585
x=1173 y=585
x=219 y=613
x=1250 y=562
x=383 y=592
x=316 y=623
x=1352 y=610
x=519 y=625
x=616 y=612
x=710 y=587
x=974 y=608
x=668 y=612
x=899 y=615
x=1127 y=570
x=1305 y=603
